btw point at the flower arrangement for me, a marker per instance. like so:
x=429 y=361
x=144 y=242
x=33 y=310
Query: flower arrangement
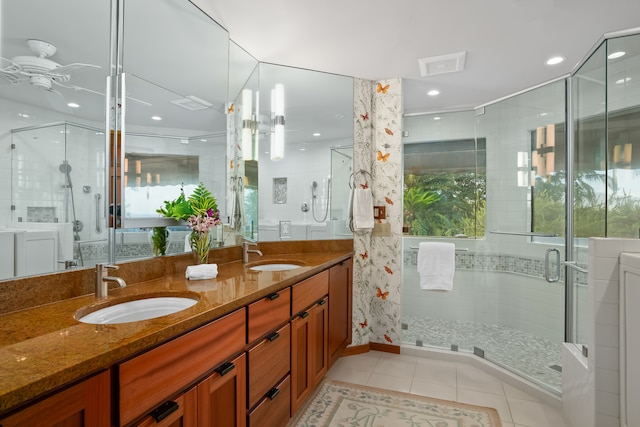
x=200 y=210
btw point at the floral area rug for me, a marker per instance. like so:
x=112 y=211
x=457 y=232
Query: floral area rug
x=340 y=404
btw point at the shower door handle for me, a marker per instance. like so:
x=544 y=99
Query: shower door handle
x=547 y=266
x=98 y=225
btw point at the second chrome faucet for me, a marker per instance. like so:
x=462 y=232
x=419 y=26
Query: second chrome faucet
x=102 y=279
x=246 y=251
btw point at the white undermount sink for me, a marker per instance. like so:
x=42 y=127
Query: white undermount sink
x=140 y=309
x=274 y=267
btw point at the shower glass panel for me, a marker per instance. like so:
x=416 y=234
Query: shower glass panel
x=589 y=95
x=440 y=153
x=341 y=169
x=519 y=306
x=58 y=177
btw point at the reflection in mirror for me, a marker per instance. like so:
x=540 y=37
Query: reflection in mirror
x=53 y=136
x=243 y=142
x=305 y=195
x=175 y=110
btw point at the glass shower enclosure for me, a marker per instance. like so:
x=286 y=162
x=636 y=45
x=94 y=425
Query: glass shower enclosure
x=74 y=155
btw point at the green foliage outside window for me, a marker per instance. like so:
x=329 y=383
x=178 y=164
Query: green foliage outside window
x=445 y=204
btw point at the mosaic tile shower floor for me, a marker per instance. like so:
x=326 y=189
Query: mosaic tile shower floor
x=534 y=358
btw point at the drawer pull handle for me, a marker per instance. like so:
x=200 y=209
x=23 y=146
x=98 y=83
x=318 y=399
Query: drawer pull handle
x=322 y=302
x=274 y=336
x=273 y=296
x=164 y=410
x=271 y=394
x=225 y=368
x=303 y=314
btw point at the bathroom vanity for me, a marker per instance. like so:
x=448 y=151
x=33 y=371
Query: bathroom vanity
x=248 y=353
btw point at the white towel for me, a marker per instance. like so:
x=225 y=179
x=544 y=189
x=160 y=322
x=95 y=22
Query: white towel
x=436 y=265
x=362 y=210
x=201 y=271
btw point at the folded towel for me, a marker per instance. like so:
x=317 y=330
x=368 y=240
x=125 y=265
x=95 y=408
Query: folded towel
x=436 y=265
x=201 y=271
x=362 y=210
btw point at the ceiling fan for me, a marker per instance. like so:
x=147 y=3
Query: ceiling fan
x=40 y=71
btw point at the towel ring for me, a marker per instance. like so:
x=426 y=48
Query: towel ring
x=354 y=175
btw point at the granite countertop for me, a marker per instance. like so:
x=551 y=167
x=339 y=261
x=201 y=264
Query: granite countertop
x=45 y=347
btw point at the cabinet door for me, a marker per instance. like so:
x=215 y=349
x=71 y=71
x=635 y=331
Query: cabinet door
x=309 y=355
x=300 y=350
x=85 y=404
x=179 y=412
x=340 y=307
x=222 y=396
x=319 y=360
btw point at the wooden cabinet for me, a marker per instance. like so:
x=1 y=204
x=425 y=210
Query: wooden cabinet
x=222 y=396
x=87 y=403
x=148 y=380
x=340 y=308
x=309 y=355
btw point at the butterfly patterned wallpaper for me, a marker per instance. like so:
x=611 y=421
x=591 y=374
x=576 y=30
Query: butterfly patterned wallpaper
x=378 y=260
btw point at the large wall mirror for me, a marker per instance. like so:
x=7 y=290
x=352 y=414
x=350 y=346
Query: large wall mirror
x=182 y=113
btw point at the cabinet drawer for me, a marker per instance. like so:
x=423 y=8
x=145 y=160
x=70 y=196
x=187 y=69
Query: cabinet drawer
x=185 y=413
x=273 y=411
x=310 y=291
x=268 y=363
x=268 y=313
x=151 y=378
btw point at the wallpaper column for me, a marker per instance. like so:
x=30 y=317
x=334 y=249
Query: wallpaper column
x=378 y=263
x=362 y=161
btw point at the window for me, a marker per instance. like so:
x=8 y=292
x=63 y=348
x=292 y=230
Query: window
x=445 y=188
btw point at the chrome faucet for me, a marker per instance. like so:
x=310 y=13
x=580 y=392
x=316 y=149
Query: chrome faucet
x=102 y=279
x=246 y=251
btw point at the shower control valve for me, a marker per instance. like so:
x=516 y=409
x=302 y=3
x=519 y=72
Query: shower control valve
x=305 y=207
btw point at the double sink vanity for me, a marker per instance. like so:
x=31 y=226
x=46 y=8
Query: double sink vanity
x=245 y=348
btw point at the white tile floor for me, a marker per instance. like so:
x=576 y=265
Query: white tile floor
x=460 y=382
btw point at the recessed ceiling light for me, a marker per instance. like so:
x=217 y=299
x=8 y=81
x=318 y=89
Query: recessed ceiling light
x=437 y=118
x=316 y=134
x=617 y=54
x=555 y=60
x=203 y=140
x=623 y=81
x=73 y=105
x=339 y=116
x=156 y=118
x=25 y=115
x=303 y=149
x=433 y=92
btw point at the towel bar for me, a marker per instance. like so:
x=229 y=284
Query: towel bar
x=457 y=249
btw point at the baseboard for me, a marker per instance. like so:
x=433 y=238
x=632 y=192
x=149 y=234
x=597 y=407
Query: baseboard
x=387 y=348
x=356 y=349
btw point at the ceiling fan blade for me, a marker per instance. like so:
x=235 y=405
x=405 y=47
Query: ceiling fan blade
x=57 y=100
x=75 y=87
x=11 y=68
x=69 y=68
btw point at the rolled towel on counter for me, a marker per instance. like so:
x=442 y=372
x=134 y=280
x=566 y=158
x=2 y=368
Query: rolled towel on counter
x=201 y=271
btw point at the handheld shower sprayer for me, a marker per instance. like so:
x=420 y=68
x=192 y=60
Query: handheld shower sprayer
x=314 y=196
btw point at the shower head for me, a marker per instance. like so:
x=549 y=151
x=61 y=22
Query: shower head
x=64 y=167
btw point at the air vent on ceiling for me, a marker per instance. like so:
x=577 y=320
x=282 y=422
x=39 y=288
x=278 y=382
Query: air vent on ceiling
x=192 y=103
x=450 y=63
